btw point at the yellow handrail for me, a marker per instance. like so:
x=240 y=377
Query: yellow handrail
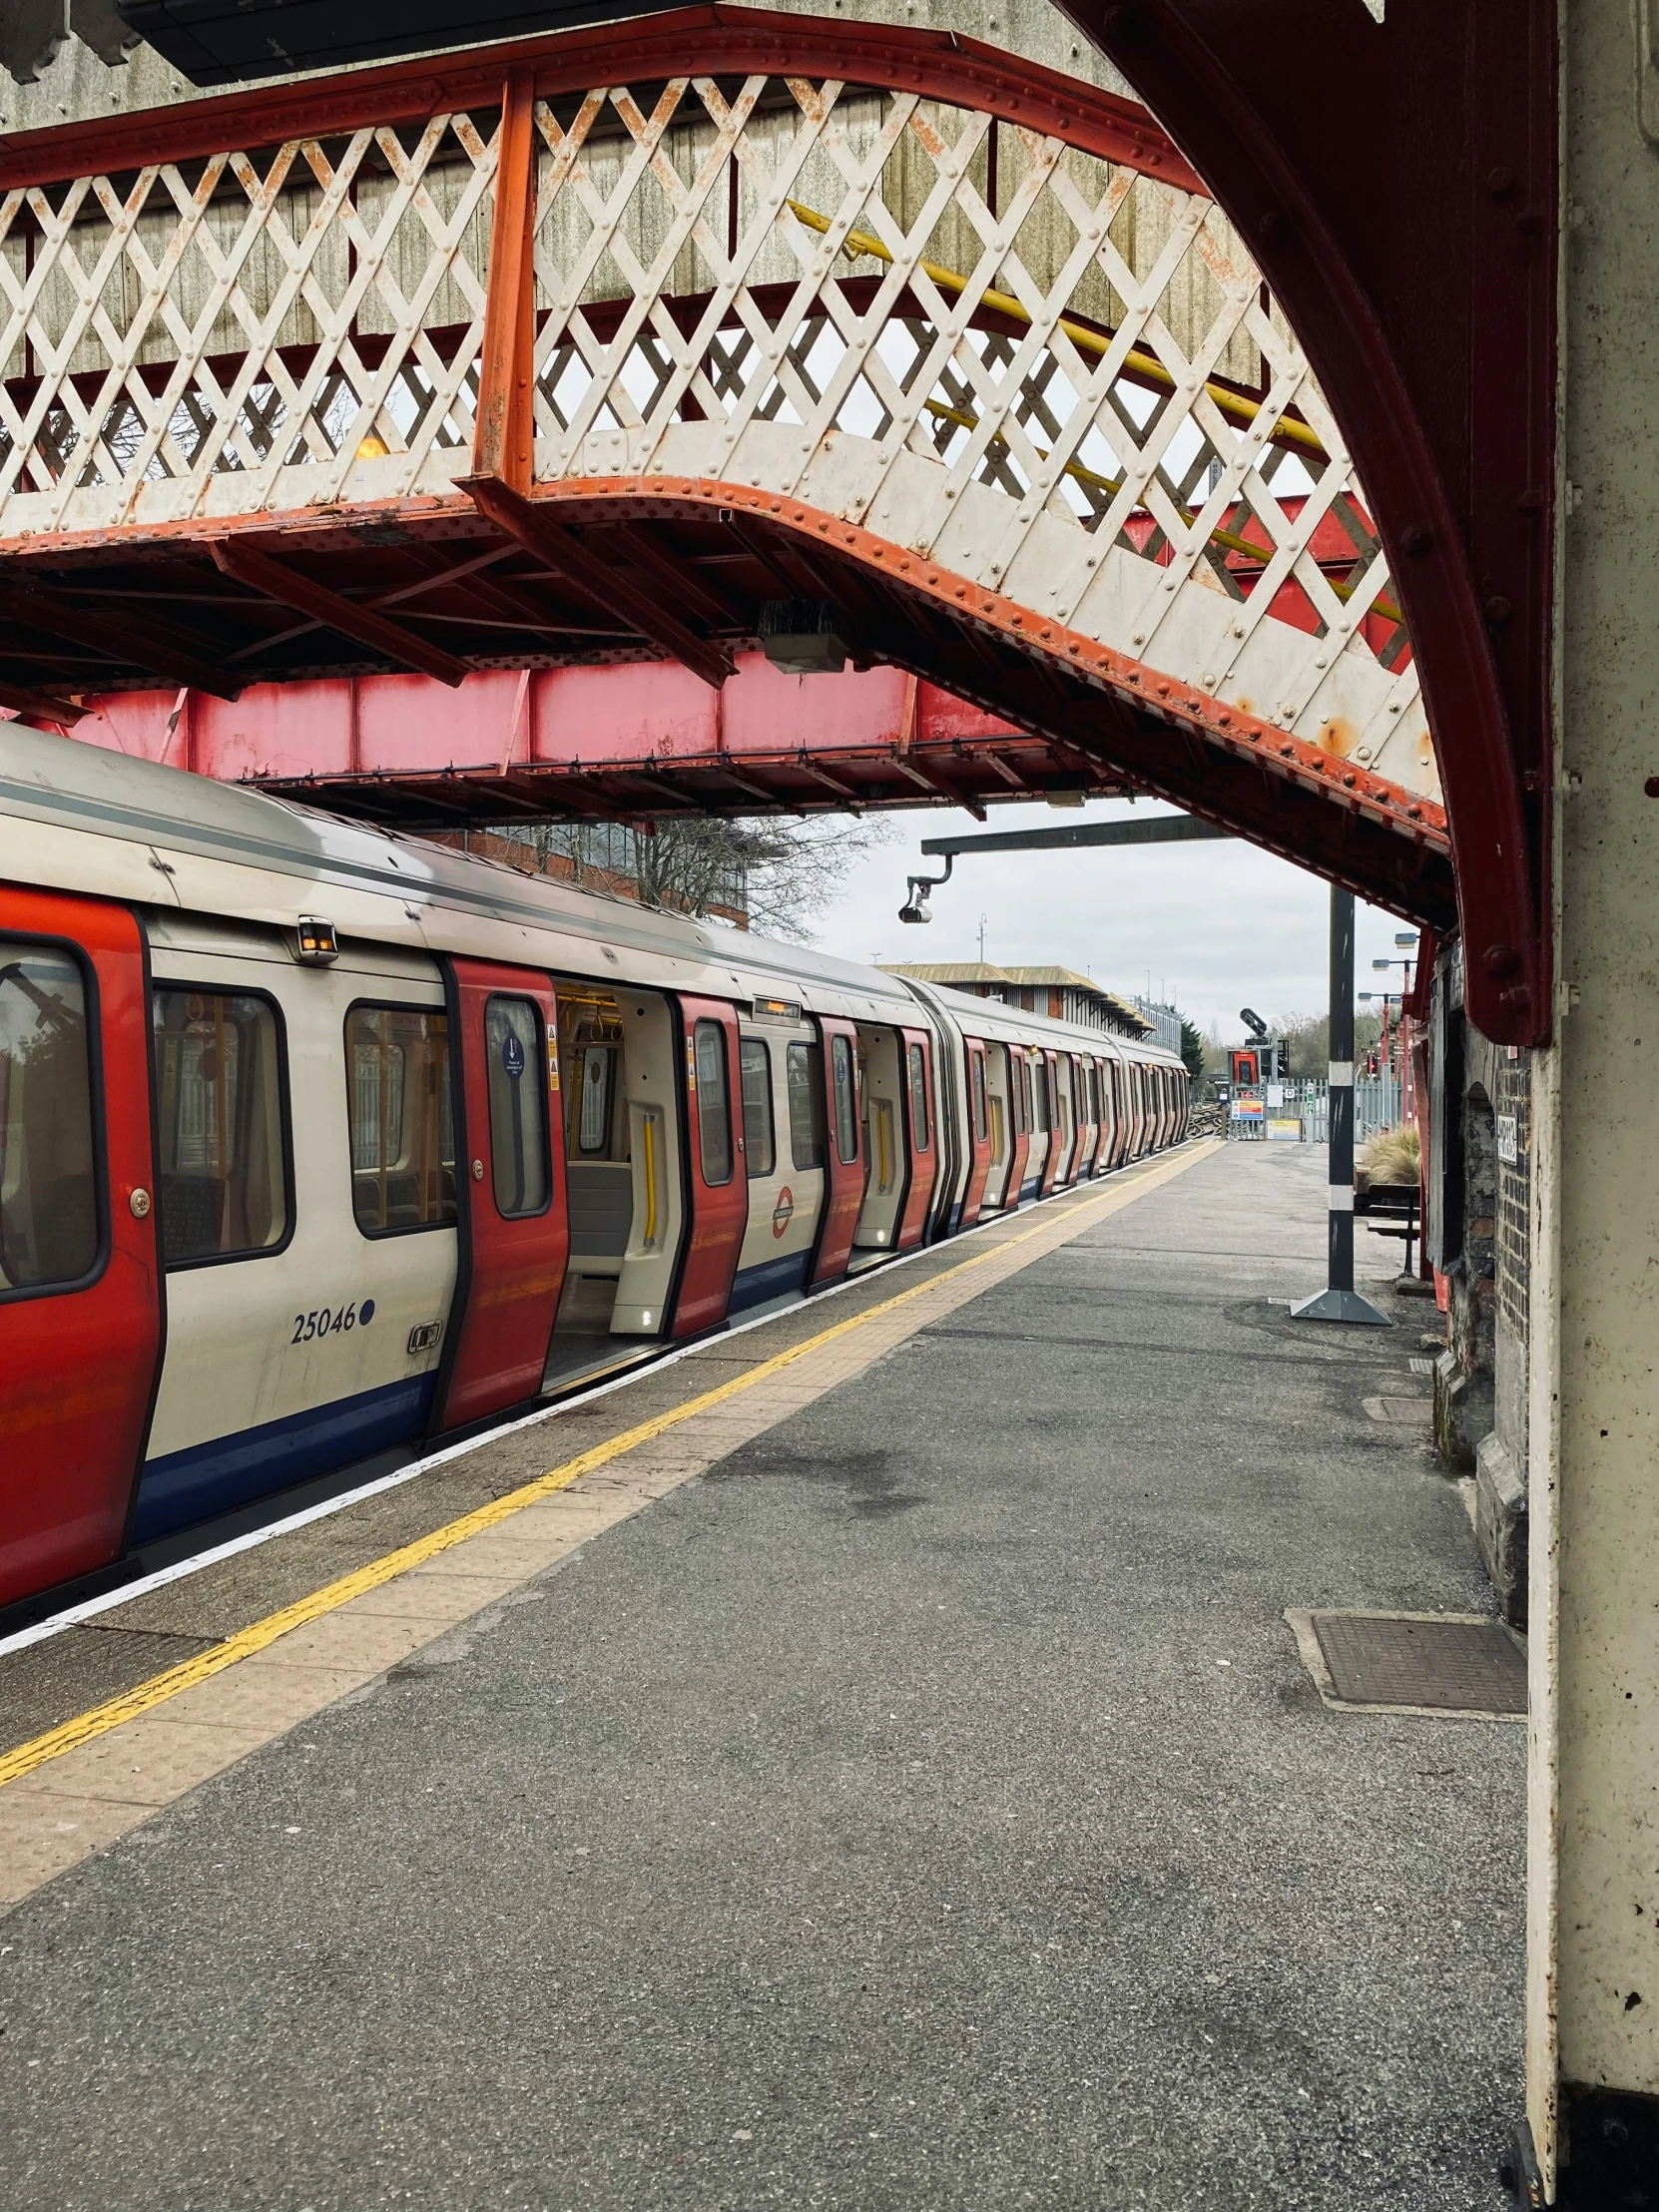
x=649 y=1125
x=858 y=242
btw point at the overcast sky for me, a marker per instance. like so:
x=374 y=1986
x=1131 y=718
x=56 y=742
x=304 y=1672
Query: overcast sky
x=1216 y=925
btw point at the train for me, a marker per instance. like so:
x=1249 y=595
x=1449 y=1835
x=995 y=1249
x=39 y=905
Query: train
x=319 y=1142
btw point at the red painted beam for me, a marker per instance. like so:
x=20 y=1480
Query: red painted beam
x=580 y=740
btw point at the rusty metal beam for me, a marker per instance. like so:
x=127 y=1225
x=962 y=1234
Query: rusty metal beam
x=128 y=640
x=245 y=564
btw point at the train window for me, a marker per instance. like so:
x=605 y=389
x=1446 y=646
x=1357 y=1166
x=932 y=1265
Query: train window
x=1024 y=1093
x=846 y=1104
x=759 y=1143
x=714 y=1106
x=49 y=1230
x=221 y=1192
x=514 y=1071
x=917 y=1062
x=803 y=1068
x=402 y=1119
x=981 y=1126
x=1039 y=1097
x=596 y=1085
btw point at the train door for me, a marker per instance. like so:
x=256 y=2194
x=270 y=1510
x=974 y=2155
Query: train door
x=843 y=1162
x=781 y=1086
x=624 y=1174
x=1088 y=1084
x=979 y=1133
x=886 y=1162
x=514 y=1232
x=1072 y=1110
x=1000 y=1103
x=1047 y=1077
x=1019 y=1109
x=921 y=1136
x=717 y=1180
x=1103 y=1138
x=1137 y=1086
x=80 y=1284
x=1120 y=1115
x=1166 y=1108
x=1043 y=1143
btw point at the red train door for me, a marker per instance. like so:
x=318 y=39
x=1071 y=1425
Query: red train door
x=509 y=1151
x=921 y=1134
x=843 y=1172
x=979 y=1134
x=718 y=1176
x=1103 y=1136
x=1057 y=1138
x=1019 y=1094
x=80 y=1284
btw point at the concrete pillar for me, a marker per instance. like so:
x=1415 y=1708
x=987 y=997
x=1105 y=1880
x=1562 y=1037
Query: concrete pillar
x=1593 y=1813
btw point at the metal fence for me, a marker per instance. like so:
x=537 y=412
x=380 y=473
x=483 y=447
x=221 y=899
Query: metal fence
x=1296 y=1112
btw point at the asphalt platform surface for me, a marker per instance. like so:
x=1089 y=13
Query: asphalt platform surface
x=927 y=1808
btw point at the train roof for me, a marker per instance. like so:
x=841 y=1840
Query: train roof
x=75 y=817
x=987 y=1017
x=78 y=817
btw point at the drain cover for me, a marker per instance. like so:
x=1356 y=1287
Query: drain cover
x=1413 y=1662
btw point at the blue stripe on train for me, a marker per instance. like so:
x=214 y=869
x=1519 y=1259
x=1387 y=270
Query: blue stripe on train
x=772 y=1278
x=216 y=1477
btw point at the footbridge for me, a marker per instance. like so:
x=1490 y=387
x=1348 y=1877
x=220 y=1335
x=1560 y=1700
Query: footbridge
x=659 y=342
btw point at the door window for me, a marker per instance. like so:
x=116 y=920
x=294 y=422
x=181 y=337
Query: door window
x=517 y=1086
x=401 y=1119
x=220 y=1125
x=759 y=1143
x=1039 y=1097
x=917 y=1061
x=49 y=1229
x=803 y=1074
x=980 y=1125
x=713 y=1108
x=846 y=1103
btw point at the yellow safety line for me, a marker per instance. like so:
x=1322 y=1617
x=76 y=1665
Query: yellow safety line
x=146 y=1696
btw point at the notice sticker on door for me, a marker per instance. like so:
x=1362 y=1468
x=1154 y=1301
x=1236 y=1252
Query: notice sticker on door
x=512 y=1054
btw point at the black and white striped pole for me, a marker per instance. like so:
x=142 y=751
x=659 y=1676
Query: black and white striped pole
x=1340 y=1301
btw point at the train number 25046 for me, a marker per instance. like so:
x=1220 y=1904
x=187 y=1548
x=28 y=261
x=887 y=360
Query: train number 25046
x=325 y=1323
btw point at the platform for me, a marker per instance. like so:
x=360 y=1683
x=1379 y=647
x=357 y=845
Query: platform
x=881 y=1775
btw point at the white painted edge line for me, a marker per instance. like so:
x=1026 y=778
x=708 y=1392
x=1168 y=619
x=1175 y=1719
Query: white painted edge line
x=1300 y=1621
x=72 y=1616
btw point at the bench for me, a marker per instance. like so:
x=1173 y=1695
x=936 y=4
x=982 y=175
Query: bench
x=1390 y=1210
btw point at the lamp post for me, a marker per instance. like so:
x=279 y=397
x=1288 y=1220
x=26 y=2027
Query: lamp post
x=1340 y=1301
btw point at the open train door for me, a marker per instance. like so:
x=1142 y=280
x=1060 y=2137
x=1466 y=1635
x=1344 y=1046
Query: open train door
x=509 y=1155
x=717 y=1175
x=842 y=1165
x=80 y=1284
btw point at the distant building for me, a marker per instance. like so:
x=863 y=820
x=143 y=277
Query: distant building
x=1056 y=991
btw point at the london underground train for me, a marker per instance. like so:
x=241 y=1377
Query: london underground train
x=317 y=1142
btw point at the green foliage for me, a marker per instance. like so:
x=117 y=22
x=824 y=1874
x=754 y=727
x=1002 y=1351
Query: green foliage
x=1192 y=1048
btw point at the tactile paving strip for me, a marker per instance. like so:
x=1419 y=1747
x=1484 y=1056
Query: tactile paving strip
x=1441 y=1664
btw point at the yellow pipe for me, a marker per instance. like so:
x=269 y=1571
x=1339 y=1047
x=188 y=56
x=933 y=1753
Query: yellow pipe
x=1232 y=404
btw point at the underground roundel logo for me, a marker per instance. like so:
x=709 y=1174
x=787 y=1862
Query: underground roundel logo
x=783 y=1212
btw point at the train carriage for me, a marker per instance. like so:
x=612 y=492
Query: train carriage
x=317 y=1142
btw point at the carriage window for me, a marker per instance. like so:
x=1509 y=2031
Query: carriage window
x=981 y=1127
x=846 y=1104
x=714 y=1109
x=755 y=1066
x=803 y=1069
x=517 y=1084
x=402 y=1121
x=1024 y=1093
x=917 y=1060
x=219 y=1109
x=48 y=1190
x=1039 y=1097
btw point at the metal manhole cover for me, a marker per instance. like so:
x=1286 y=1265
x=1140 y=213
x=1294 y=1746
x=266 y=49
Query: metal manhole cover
x=1413 y=1662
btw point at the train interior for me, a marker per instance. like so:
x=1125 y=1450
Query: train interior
x=885 y=1143
x=1003 y=1123
x=623 y=1176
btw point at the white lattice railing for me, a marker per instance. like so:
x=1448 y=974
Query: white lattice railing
x=1056 y=374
